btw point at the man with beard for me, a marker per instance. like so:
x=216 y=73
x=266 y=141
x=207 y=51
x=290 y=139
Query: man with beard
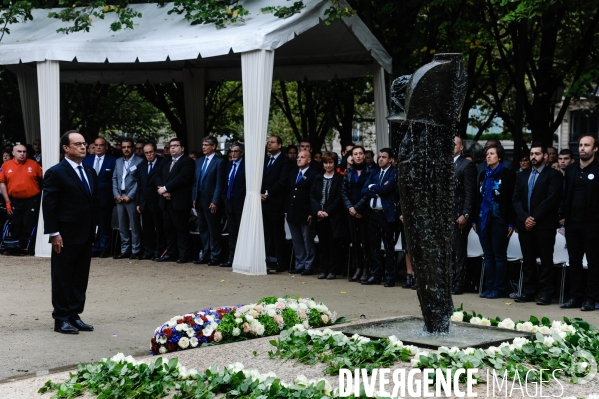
x=582 y=225
x=536 y=201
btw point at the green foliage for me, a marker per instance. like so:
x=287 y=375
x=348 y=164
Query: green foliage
x=226 y=326
x=315 y=318
x=81 y=15
x=217 y=12
x=268 y=300
x=12 y=12
x=290 y=317
x=284 y=11
x=270 y=327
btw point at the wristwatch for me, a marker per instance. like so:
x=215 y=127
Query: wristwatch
x=467 y=215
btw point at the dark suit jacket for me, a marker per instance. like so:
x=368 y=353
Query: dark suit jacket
x=385 y=189
x=275 y=181
x=148 y=197
x=105 y=197
x=592 y=192
x=213 y=184
x=178 y=182
x=68 y=208
x=465 y=187
x=298 y=206
x=238 y=191
x=544 y=201
x=347 y=190
x=508 y=182
x=332 y=206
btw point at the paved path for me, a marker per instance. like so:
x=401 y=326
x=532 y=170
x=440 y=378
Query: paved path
x=128 y=300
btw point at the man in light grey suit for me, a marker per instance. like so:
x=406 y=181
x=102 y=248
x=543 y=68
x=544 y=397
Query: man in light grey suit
x=124 y=188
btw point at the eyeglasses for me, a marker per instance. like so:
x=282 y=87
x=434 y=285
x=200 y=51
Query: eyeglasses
x=79 y=144
x=175 y=145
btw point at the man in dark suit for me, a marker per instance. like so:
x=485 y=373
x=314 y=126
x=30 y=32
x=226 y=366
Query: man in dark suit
x=537 y=197
x=174 y=185
x=208 y=189
x=104 y=166
x=234 y=197
x=148 y=203
x=298 y=212
x=582 y=225
x=305 y=145
x=381 y=191
x=463 y=201
x=70 y=204
x=277 y=168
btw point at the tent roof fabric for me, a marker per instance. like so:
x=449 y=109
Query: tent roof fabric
x=162 y=42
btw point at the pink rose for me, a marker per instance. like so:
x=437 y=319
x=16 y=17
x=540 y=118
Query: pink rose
x=259 y=308
x=325 y=318
x=246 y=327
x=302 y=315
x=237 y=315
x=278 y=319
x=280 y=305
x=218 y=336
x=253 y=313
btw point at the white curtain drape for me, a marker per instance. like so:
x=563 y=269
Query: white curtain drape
x=256 y=75
x=48 y=89
x=27 y=78
x=380 y=108
x=194 y=92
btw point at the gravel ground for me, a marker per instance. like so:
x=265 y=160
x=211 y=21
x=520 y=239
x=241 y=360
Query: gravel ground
x=128 y=300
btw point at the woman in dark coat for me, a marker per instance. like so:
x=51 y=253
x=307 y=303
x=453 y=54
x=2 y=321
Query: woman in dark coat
x=331 y=220
x=355 y=203
x=494 y=221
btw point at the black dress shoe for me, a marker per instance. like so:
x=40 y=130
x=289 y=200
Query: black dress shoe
x=165 y=258
x=104 y=254
x=95 y=254
x=227 y=264
x=544 y=300
x=389 y=283
x=458 y=291
x=414 y=287
x=524 y=298
x=322 y=276
x=371 y=281
x=409 y=281
x=64 y=327
x=571 y=304
x=148 y=257
x=213 y=263
x=124 y=255
x=588 y=305
x=307 y=273
x=200 y=261
x=135 y=256
x=181 y=260
x=81 y=326
x=296 y=271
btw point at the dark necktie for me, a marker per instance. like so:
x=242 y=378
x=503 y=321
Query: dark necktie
x=231 y=179
x=203 y=171
x=381 y=177
x=270 y=162
x=299 y=177
x=531 y=185
x=151 y=166
x=83 y=179
x=172 y=164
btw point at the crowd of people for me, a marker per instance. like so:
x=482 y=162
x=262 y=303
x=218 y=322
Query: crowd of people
x=348 y=204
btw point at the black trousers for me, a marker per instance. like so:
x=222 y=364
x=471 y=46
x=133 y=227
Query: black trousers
x=176 y=226
x=537 y=244
x=70 y=272
x=233 y=222
x=581 y=239
x=274 y=236
x=210 y=231
x=460 y=252
x=153 y=233
x=25 y=213
x=379 y=228
x=329 y=247
x=102 y=243
x=357 y=235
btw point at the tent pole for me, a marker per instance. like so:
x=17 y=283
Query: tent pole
x=194 y=92
x=48 y=88
x=27 y=78
x=256 y=75
x=380 y=108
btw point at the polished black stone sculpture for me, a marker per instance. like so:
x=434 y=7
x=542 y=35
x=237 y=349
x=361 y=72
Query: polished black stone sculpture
x=423 y=120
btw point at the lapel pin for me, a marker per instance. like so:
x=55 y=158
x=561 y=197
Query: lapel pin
x=591 y=176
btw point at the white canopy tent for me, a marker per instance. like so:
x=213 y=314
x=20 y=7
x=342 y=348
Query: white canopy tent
x=162 y=48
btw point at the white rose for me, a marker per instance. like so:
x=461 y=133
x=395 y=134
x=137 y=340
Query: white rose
x=293 y=306
x=162 y=349
x=199 y=321
x=259 y=329
x=443 y=349
x=475 y=320
x=193 y=341
x=507 y=323
x=548 y=341
x=453 y=350
x=238 y=320
x=544 y=330
x=492 y=350
x=413 y=349
x=562 y=335
x=271 y=312
x=485 y=322
x=249 y=318
x=519 y=342
x=236 y=332
x=190 y=332
x=469 y=351
x=457 y=316
x=527 y=326
x=119 y=357
x=306 y=324
x=184 y=342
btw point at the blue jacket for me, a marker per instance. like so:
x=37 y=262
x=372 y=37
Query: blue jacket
x=386 y=189
x=105 y=197
x=213 y=184
x=239 y=189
